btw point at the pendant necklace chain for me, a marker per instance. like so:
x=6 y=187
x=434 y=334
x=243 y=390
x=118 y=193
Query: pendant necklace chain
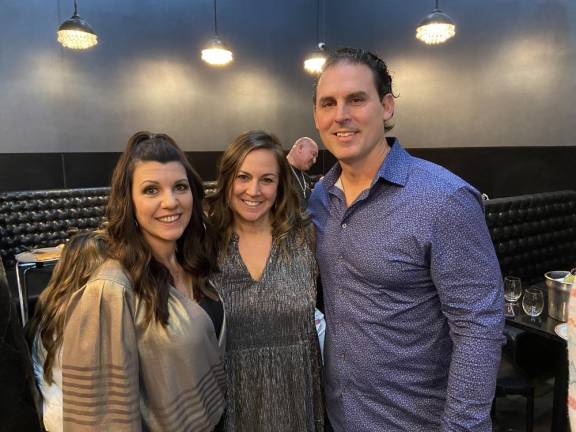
x=302 y=183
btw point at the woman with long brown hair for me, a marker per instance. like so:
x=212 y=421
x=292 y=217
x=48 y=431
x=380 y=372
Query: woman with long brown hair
x=267 y=280
x=130 y=345
x=79 y=259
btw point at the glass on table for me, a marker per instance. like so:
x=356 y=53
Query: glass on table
x=533 y=302
x=512 y=292
x=512 y=289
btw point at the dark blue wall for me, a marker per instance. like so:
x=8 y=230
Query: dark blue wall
x=146 y=73
x=505 y=80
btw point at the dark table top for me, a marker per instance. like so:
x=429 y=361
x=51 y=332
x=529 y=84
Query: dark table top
x=543 y=324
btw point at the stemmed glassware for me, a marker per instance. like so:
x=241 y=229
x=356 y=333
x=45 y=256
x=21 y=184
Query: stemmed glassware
x=512 y=289
x=533 y=302
x=512 y=293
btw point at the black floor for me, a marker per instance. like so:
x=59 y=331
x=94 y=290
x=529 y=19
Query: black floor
x=510 y=413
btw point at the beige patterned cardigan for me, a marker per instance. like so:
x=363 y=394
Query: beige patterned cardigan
x=120 y=375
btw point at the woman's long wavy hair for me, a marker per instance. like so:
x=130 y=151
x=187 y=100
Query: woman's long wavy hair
x=151 y=279
x=286 y=215
x=80 y=258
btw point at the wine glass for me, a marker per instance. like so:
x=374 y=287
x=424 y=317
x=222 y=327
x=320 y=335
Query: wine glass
x=533 y=302
x=512 y=289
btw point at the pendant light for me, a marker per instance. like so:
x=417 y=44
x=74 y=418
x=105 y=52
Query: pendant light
x=75 y=33
x=315 y=60
x=436 y=28
x=216 y=53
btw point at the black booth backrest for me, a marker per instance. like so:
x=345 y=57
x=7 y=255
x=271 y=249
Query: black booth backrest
x=43 y=218
x=34 y=219
x=533 y=234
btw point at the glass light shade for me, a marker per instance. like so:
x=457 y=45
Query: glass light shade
x=216 y=53
x=75 y=33
x=314 y=63
x=436 y=28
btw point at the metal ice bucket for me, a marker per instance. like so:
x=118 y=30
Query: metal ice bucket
x=558 y=294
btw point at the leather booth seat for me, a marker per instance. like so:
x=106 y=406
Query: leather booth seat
x=533 y=234
x=35 y=219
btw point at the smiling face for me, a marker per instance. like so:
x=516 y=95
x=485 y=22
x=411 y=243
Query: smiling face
x=162 y=202
x=349 y=114
x=254 y=189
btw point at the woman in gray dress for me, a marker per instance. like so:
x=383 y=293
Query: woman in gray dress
x=267 y=280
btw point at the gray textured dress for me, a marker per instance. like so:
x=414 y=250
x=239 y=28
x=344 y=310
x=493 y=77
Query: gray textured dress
x=272 y=352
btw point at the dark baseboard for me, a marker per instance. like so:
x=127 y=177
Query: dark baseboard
x=500 y=171
x=23 y=171
x=508 y=171
x=495 y=171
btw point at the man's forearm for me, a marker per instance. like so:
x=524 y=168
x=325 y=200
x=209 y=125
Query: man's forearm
x=471 y=384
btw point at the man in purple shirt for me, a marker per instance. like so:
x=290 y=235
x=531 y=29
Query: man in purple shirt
x=412 y=286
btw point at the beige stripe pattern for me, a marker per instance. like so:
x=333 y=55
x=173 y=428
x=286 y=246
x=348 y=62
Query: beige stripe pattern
x=119 y=374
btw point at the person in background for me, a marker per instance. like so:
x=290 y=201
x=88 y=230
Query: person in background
x=412 y=287
x=129 y=346
x=80 y=258
x=301 y=157
x=18 y=411
x=267 y=280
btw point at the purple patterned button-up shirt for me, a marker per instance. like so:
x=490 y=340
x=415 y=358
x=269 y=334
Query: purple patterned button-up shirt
x=413 y=301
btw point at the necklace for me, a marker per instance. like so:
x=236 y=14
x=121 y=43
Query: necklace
x=302 y=183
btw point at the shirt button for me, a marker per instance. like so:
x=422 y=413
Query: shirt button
x=344 y=225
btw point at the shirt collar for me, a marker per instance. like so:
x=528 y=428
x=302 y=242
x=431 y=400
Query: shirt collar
x=396 y=165
x=394 y=168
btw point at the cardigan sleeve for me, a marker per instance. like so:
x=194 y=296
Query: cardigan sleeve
x=100 y=361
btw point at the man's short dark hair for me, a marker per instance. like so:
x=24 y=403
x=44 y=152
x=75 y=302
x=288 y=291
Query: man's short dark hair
x=382 y=78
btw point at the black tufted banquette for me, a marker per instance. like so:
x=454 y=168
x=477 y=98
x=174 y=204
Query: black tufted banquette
x=34 y=219
x=533 y=234
x=44 y=218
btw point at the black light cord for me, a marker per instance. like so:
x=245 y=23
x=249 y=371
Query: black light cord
x=317 y=21
x=215 y=20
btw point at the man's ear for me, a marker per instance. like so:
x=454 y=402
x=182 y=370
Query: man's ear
x=388 y=107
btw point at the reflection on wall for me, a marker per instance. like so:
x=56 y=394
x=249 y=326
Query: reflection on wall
x=504 y=80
